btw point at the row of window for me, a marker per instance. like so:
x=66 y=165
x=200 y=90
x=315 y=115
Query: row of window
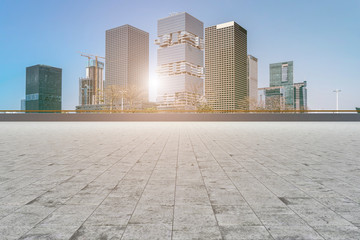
x=30 y=97
x=44 y=97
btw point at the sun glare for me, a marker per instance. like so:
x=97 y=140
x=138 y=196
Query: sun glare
x=153 y=86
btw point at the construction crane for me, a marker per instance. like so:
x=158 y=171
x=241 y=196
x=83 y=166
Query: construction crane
x=94 y=57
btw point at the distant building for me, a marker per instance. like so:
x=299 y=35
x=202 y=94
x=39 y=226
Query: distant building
x=127 y=59
x=87 y=94
x=226 y=78
x=180 y=61
x=300 y=96
x=117 y=107
x=23 y=105
x=93 y=107
x=252 y=65
x=283 y=93
x=272 y=98
x=43 y=88
x=281 y=74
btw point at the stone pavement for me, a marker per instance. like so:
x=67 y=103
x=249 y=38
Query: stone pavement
x=179 y=180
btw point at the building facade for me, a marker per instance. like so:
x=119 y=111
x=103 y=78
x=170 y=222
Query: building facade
x=226 y=78
x=180 y=61
x=127 y=59
x=87 y=88
x=282 y=74
x=43 y=88
x=272 y=98
x=283 y=93
x=252 y=69
x=300 y=96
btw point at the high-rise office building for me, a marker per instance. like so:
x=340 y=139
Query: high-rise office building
x=281 y=74
x=283 y=93
x=43 y=88
x=300 y=96
x=127 y=59
x=180 y=61
x=226 y=80
x=87 y=87
x=272 y=98
x=252 y=69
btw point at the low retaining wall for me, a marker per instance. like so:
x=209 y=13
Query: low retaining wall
x=179 y=117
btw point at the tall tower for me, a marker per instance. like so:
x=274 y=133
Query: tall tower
x=281 y=75
x=283 y=93
x=43 y=88
x=226 y=80
x=180 y=61
x=127 y=59
x=252 y=70
x=300 y=96
x=87 y=85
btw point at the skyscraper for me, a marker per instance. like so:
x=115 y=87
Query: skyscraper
x=127 y=59
x=281 y=74
x=283 y=93
x=180 y=61
x=87 y=84
x=252 y=65
x=226 y=80
x=43 y=88
x=300 y=96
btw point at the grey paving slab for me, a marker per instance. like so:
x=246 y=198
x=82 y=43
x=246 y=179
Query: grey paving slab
x=338 y=232
x=196 y=232
x=179 y=180
x=86 y=232
x=148 y=214
x=46 y=232
x=245 y=232
x=294 y=232
x=147 y=231
x=236 y=215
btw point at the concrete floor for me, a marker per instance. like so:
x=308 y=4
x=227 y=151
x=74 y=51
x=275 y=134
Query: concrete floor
x=179 y=180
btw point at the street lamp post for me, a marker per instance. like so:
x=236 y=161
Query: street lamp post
x=337 y=98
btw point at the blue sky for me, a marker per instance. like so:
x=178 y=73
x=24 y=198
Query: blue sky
x=322 y=37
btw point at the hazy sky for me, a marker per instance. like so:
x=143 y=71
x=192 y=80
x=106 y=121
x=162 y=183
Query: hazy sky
x=322 y=37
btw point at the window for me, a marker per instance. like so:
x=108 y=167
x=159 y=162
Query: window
x=34 y=96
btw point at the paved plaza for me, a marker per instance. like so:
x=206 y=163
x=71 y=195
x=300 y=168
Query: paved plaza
x=180 y=180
